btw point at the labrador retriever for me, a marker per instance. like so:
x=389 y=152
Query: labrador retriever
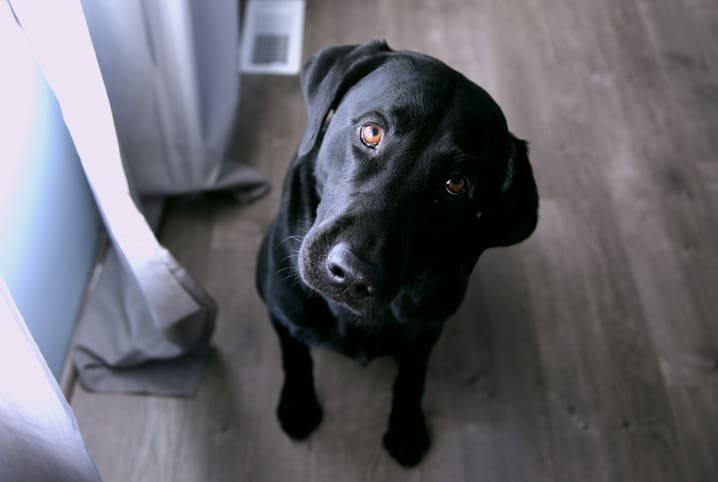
x=406 y=173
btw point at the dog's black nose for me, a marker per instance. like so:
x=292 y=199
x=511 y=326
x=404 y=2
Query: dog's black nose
x=346 y=270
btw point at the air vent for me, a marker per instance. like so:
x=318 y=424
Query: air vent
x=272 y=37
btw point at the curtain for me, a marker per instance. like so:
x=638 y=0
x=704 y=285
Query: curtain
x=171 y=72
x=150 y=107
x=39 y=438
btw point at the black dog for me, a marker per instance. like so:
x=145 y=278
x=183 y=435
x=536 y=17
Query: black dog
x=405 y=175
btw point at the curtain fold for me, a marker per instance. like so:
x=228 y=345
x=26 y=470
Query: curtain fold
x=159 y=123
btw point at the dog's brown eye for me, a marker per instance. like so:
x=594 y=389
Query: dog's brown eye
x=371 y=134
x=456 y=185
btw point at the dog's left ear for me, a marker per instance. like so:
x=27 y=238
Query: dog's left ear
x=328 y=75
x=513 y=216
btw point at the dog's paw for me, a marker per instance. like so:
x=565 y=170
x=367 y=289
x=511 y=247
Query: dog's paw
x=298 y=415
x=407 y=443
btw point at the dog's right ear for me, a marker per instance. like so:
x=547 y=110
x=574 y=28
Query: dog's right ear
x=328 y=75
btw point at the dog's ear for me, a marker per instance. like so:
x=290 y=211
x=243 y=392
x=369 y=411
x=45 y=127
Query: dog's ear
x=328 y=75
x=513 y=216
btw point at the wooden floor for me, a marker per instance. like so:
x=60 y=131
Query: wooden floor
x=588 y=353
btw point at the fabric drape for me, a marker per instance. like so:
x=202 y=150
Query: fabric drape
x=150 y=109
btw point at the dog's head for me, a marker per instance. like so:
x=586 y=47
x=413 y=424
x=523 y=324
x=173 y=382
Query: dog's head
x=415 y=172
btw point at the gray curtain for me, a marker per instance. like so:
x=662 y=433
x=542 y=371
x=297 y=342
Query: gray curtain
x=150 y=107
x=171 y=72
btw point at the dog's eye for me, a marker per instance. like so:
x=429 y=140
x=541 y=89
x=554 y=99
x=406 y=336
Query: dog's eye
x=456 y=185
x=371 y=134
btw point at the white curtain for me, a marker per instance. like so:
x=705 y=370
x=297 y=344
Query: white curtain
x=159 y=123
x=39 y=439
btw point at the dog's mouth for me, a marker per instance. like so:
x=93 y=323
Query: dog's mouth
x=359 y=308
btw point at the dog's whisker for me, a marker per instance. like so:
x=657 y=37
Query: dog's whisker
x=296 y=238
x=307 y=222
x=289 y=273
x=292 y=255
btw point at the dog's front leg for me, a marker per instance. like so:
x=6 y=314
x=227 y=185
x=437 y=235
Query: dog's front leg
x=407 y=437
x=298 y=410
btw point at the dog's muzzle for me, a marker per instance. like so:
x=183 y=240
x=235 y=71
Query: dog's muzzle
x=339 y=273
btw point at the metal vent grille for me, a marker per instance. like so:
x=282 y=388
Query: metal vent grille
x=270 y=48
x=272 y=37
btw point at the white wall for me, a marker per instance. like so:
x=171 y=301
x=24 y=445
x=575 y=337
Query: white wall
x=49 y=224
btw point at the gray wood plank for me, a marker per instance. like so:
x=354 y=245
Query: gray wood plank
x=694 y=408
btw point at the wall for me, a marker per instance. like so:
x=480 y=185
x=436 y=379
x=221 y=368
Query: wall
x=49 y=225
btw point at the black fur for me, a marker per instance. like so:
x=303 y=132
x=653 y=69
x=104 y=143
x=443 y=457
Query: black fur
x=369 y=253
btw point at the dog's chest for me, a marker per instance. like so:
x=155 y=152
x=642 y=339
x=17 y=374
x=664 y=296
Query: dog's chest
x=361 y=343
